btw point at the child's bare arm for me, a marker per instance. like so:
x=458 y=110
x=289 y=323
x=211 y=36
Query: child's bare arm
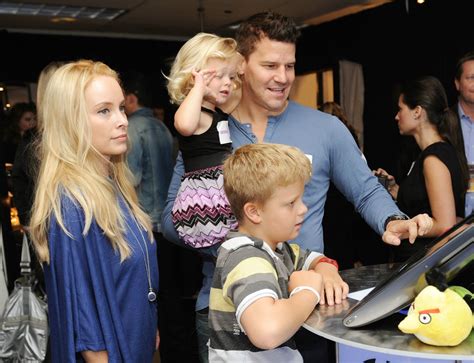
x=188 y=115
x=334 y=289
x=268 y=322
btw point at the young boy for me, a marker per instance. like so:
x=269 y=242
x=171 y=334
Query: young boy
x=264 y=288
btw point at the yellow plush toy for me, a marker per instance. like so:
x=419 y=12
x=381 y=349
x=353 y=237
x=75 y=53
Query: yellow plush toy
x=439 y=318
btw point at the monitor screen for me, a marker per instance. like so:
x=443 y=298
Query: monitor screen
x=452 y=254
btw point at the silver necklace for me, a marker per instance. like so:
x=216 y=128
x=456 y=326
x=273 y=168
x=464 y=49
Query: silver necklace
x=151 y=292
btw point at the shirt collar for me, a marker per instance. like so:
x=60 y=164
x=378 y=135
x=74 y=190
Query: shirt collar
x=273 y=118
x=462 y=115
x=258 y=241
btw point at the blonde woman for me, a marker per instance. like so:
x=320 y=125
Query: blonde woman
x=95 y=243
x=202 y=79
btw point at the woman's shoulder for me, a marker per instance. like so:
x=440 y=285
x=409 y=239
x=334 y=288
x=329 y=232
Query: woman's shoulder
x=444 y=152
x=439 y=149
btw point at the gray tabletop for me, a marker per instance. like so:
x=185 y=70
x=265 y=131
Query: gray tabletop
x=382 y=336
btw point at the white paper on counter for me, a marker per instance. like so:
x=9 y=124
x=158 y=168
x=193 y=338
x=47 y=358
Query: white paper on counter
x=359 y=295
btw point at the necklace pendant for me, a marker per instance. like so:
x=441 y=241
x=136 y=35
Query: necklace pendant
x=151 y=295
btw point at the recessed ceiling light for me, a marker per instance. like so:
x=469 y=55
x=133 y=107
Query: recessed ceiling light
x=60 y=11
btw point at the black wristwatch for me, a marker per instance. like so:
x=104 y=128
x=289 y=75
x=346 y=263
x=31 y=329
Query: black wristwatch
x=395 y=217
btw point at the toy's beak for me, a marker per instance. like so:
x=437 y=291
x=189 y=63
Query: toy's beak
x=409 y=325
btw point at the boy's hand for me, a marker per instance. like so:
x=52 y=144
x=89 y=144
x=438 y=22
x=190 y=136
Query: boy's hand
x=335 y=289
x=305 y=278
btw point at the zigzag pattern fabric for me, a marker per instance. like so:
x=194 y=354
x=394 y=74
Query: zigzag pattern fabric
x=201 y=212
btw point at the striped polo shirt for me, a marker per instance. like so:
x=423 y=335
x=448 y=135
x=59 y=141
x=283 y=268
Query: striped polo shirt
x=247 y=269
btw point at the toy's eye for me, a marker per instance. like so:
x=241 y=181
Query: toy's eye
x=425 y=318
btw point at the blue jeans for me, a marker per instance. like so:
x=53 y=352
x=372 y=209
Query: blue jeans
x=202 y=330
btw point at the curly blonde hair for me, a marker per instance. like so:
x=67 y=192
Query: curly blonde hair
x=194 y=54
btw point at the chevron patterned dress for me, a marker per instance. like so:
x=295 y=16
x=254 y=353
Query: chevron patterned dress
x=201 y=212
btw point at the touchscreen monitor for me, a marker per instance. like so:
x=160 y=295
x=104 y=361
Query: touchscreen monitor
x=452 y=253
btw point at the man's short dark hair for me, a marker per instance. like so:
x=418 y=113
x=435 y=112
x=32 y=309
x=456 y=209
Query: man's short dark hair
x=267 y=24
x=136 y=83
x=469 y=56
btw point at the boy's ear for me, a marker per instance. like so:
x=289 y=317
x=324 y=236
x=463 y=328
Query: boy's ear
x=251 y=212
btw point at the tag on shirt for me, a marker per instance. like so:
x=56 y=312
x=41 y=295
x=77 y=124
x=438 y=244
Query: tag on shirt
x=310 y=157
x=223 y=130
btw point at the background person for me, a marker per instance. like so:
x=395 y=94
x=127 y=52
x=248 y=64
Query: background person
x=335 y=109
x=26 y=163
x=21 y=117
x=25 y=171
x=437 y=181
x=464 y=109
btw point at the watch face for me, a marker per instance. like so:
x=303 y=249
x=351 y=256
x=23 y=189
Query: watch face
x=398 y=218
x=395 y=218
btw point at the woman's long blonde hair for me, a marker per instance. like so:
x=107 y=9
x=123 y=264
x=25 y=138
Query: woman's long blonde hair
x=72 y=167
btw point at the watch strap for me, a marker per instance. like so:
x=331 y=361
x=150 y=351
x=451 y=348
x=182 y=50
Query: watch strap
x=395 y=217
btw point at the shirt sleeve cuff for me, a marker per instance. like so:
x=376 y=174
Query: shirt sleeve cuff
x=249 y=299
x=309 y=260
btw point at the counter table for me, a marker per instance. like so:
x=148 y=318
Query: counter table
x=381 y=341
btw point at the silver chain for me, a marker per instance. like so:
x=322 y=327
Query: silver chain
x=151 y=293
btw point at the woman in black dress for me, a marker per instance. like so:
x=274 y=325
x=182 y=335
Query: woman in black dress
x=437 y=180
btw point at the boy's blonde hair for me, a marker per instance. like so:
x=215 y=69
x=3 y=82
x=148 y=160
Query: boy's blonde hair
x=253 y=171
x=194 y=54
x=71 y=166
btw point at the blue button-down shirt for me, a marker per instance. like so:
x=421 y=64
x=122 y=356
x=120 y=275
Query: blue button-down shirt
x=335 y=157
x=467 y=127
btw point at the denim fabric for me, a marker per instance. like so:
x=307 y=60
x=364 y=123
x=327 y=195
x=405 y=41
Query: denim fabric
x=203 y=334
x=151 y=162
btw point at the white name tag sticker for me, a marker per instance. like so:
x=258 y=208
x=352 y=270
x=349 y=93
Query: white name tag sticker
x=310 y=157
x=223 y=130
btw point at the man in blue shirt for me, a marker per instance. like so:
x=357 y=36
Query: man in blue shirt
x=464 y=82
x=264 y=114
